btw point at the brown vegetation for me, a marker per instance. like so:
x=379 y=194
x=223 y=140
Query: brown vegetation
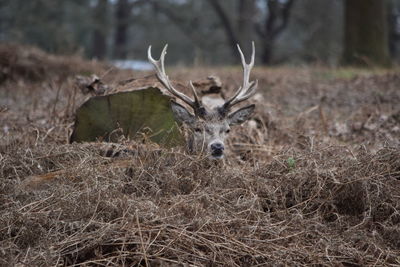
x=313 y=179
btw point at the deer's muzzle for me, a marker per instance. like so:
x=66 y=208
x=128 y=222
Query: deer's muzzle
x=217 y=150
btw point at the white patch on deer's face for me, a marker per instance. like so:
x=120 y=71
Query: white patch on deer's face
x=209 y=137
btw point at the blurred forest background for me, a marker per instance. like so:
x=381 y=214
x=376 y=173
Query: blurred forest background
x=204 y=32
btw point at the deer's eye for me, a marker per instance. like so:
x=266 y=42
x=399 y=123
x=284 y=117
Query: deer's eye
x=228 y=130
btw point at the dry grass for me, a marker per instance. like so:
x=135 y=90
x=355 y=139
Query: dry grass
x=314 y=179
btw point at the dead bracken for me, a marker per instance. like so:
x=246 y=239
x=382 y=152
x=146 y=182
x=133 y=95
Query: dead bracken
x=313 y=178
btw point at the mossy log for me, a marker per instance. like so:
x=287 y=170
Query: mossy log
x=143 y=113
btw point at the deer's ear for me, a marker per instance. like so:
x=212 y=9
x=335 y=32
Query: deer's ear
x=241 y=115
x=181 y=114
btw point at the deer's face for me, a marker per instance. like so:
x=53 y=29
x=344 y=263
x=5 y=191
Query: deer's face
x=209 y=128
x=208 y=133
x=209 y=136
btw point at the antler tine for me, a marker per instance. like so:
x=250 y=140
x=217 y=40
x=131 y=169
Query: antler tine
x=196 y=98
x=246 y=67
x=248 y=88
x=163 y=78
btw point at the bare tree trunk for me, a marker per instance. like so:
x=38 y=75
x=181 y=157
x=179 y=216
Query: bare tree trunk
x=269 y=27
x=99 y=41
x=394 y=30
x=122 y=15
x=228 y=26
x=366 y=33
x=246 y=14
x=267 y=52
x=277 y=12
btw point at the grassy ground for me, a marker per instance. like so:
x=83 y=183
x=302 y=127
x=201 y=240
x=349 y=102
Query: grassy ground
x=314 y=178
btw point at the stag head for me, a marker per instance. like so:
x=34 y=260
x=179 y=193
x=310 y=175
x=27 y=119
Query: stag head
x=209 y=127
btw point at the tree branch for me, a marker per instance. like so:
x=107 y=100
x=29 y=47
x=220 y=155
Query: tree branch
x=285 y=18
x=227 y=24
x=181 y=24
x=258 y=29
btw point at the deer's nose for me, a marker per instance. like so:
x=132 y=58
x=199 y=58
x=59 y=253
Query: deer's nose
x=217 y=147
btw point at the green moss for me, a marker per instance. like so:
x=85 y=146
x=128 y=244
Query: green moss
x=137 y=114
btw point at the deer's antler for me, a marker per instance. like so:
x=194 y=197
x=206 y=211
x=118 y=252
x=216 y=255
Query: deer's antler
x=248 y=88
x=163 y=78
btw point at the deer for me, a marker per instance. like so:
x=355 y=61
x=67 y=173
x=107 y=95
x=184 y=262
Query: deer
x=208 y=127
